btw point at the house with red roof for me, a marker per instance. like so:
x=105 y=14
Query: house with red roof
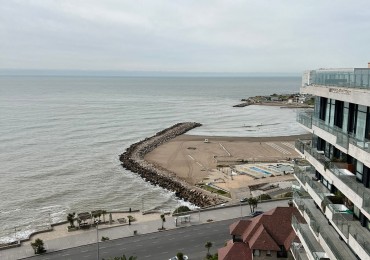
x=267 y=236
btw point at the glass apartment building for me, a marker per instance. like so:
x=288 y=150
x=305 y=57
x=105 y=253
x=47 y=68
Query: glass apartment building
x=334 y=193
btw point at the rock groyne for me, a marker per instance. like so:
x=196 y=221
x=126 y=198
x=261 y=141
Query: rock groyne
x=133 y=159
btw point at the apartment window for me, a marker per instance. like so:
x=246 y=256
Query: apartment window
x=338 y=114
x=352 y=118
x=361 y=122
x=322 y=108
x=256 y=252
x=359 y=170
x=345 y=117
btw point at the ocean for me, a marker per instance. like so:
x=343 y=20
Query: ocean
x=60 y=138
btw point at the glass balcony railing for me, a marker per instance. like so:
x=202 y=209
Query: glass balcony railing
x=342 y=137
x=306 y=234
x=349 y=180
x=342 y=221
x=351 y=78
x=305 y=118
x=363 y=145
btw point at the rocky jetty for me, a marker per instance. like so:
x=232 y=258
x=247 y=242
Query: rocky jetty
x=133 y=159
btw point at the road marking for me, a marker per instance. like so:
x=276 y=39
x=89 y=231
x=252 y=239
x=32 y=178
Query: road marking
x=87 y=255
x=65 y=255
x=148 y=256
x=164 y=253
x=84 y=251
x=105 y=252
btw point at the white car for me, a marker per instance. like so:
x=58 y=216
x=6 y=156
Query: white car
x=175 y=257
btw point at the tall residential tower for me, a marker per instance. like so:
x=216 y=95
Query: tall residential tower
x=334 y=196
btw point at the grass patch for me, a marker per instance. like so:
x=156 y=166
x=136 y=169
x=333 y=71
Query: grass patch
x=213 y=190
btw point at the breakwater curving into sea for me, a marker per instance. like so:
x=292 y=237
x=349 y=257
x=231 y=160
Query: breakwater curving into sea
x=133 y=159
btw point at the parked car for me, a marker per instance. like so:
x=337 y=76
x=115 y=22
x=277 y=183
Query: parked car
x=175 y=258
x=244 y=200
x=256 y=213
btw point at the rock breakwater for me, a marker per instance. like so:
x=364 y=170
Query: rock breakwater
x=133 y=159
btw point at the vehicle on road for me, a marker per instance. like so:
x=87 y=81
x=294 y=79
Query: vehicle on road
x=256 y=213
x=244 y=200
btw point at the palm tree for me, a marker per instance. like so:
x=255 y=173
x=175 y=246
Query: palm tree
x=163 y=220
x=253 y=203
x=208 y=245
x=71 y=219
x=38 y=246
x=180 y=256
x=104 y=212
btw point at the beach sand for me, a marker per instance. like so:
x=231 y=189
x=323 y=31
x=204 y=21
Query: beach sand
x=192 y=160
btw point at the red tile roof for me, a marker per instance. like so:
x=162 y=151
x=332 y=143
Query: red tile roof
x=268 y=231
x=235 y=251
x=262 y=240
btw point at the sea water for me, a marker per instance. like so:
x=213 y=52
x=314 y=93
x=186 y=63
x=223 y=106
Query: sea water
x=60 y=138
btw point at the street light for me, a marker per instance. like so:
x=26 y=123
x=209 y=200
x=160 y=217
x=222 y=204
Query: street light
x=97 y=237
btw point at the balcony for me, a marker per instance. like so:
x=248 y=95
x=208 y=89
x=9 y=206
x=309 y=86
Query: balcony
x=341 y=178
x=350 y=78
x=304 y=233
x=298 y=251
x=342 y=138
x=305 y=118
x=363 y=145
x=323 y=232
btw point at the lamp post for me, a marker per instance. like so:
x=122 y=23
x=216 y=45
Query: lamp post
x=241 y=210
x=97 y=238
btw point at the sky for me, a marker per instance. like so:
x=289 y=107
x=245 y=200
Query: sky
x=229 y=36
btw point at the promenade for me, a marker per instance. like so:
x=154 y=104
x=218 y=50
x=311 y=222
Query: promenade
x=141 y=227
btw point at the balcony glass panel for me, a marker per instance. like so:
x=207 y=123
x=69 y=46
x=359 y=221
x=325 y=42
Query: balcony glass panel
x=355 y=78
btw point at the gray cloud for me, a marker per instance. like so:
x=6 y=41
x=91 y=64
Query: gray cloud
x=174 y=35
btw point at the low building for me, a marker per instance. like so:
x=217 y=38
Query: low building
x=267 y=236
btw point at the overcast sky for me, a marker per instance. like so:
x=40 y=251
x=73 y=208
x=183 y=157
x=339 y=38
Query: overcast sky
x=184 y=35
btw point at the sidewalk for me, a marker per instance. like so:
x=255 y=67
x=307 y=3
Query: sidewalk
x=89 y=237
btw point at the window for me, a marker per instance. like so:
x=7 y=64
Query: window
x=359 y=170
x=256 y=252
x=268 y=252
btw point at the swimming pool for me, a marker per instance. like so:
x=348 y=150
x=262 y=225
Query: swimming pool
x=259 y=170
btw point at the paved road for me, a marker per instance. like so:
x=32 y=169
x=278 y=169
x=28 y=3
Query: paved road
x=159 y=245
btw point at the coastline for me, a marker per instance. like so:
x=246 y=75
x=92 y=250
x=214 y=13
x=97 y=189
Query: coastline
x=133 y=159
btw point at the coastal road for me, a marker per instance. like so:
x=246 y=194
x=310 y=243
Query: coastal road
x=154 y=246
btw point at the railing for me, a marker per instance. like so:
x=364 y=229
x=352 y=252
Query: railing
x=354 y=78
x=305 y=118
x=344 y=225
x=297 y=251
x=298 y=227
x=363 y=145
x=342 y=137
x=349 y=181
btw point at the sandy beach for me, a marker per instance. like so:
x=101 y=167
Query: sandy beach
x=192 y=159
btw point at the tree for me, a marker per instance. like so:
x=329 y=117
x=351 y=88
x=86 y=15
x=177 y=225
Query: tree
x=104 y=212
x=38 y=246
x=163 y=220
x=253 y=203
x=180 y=256
x=181 y=209
x=208 y=245
x=71 y=219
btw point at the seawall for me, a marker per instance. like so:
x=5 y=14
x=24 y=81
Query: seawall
x=133 y=159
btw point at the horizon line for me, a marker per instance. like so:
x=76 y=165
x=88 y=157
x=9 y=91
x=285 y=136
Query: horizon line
x=123 y=73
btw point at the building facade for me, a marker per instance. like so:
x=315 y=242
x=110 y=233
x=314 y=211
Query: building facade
x=334 y=197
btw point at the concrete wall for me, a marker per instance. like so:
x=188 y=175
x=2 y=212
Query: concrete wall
x=352 y=95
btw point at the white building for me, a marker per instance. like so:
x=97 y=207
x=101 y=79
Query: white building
x=335 y=195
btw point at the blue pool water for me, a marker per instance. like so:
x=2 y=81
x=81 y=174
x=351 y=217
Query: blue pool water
x=259 y=170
